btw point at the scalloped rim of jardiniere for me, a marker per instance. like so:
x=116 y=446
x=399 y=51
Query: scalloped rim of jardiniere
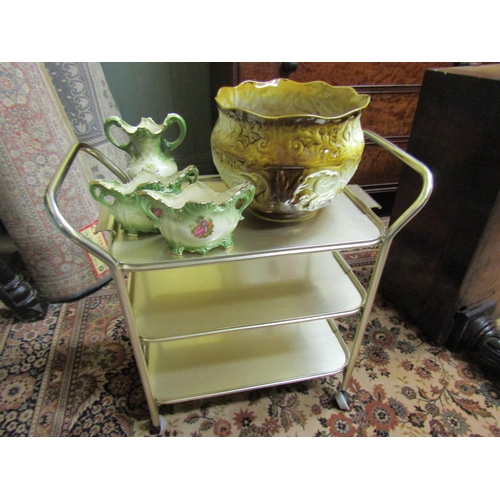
x=230 y=98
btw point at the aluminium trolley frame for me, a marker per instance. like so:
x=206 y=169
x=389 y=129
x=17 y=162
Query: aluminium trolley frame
x=265 y=308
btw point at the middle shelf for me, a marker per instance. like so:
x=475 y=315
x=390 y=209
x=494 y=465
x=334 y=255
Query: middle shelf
x=244 y=294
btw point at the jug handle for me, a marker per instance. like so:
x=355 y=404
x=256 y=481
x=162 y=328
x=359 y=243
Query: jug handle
x=190 y=174
x=147 y=205
x=98 y=194
x=169 y=120
x=118 y=122
x=244 y=196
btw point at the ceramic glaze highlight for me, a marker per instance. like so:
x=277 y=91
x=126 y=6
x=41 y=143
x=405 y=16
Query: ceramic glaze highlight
x=146 y=147
x=298 y=143
x=124 y=206
x=199 y=218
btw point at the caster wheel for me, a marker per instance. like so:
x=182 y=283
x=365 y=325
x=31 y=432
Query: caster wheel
x=158 y=429
x=154 y=429
x=342 y=399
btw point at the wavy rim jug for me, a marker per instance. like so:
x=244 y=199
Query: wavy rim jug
x=146 y=147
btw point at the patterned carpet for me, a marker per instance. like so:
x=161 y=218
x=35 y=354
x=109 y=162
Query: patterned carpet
x=73 y=374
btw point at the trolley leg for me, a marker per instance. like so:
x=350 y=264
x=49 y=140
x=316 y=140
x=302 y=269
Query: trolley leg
x=139 y=355
x=366 y=311
x=358 y=340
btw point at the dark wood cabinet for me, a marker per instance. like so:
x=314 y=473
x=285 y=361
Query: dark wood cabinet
x=394 y=88
x=445 y=261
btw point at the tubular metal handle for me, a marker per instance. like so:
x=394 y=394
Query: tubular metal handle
x=420 y=168
x=54 y=187
x=385 y=243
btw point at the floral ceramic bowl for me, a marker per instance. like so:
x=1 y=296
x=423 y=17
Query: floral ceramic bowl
x=123 y=204
x=199 y=218
x=299 y=143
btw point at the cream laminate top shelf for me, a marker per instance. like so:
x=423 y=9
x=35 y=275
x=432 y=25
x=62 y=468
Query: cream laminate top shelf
x=347 y=222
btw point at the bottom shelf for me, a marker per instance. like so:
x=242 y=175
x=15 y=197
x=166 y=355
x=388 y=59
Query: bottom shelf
x=213 y=365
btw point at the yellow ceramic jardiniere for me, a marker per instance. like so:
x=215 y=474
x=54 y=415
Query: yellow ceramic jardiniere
x=298 y=143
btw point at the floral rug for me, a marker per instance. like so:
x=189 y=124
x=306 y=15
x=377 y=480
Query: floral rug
x=73 y=374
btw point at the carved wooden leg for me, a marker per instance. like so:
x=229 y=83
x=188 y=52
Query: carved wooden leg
x=25 y=302
x=476 y=333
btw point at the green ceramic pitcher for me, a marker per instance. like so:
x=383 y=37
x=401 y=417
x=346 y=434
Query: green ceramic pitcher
x=147 y=148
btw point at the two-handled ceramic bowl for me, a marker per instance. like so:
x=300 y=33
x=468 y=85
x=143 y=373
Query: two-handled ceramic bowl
x=199 y=218
x=121 y=199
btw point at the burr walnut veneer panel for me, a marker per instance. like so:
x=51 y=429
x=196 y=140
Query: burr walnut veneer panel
x=342 y=73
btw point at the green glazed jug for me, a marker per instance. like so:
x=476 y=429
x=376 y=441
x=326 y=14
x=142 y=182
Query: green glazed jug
x=148 y=150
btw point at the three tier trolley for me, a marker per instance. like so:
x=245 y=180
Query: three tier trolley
x=259 y=314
